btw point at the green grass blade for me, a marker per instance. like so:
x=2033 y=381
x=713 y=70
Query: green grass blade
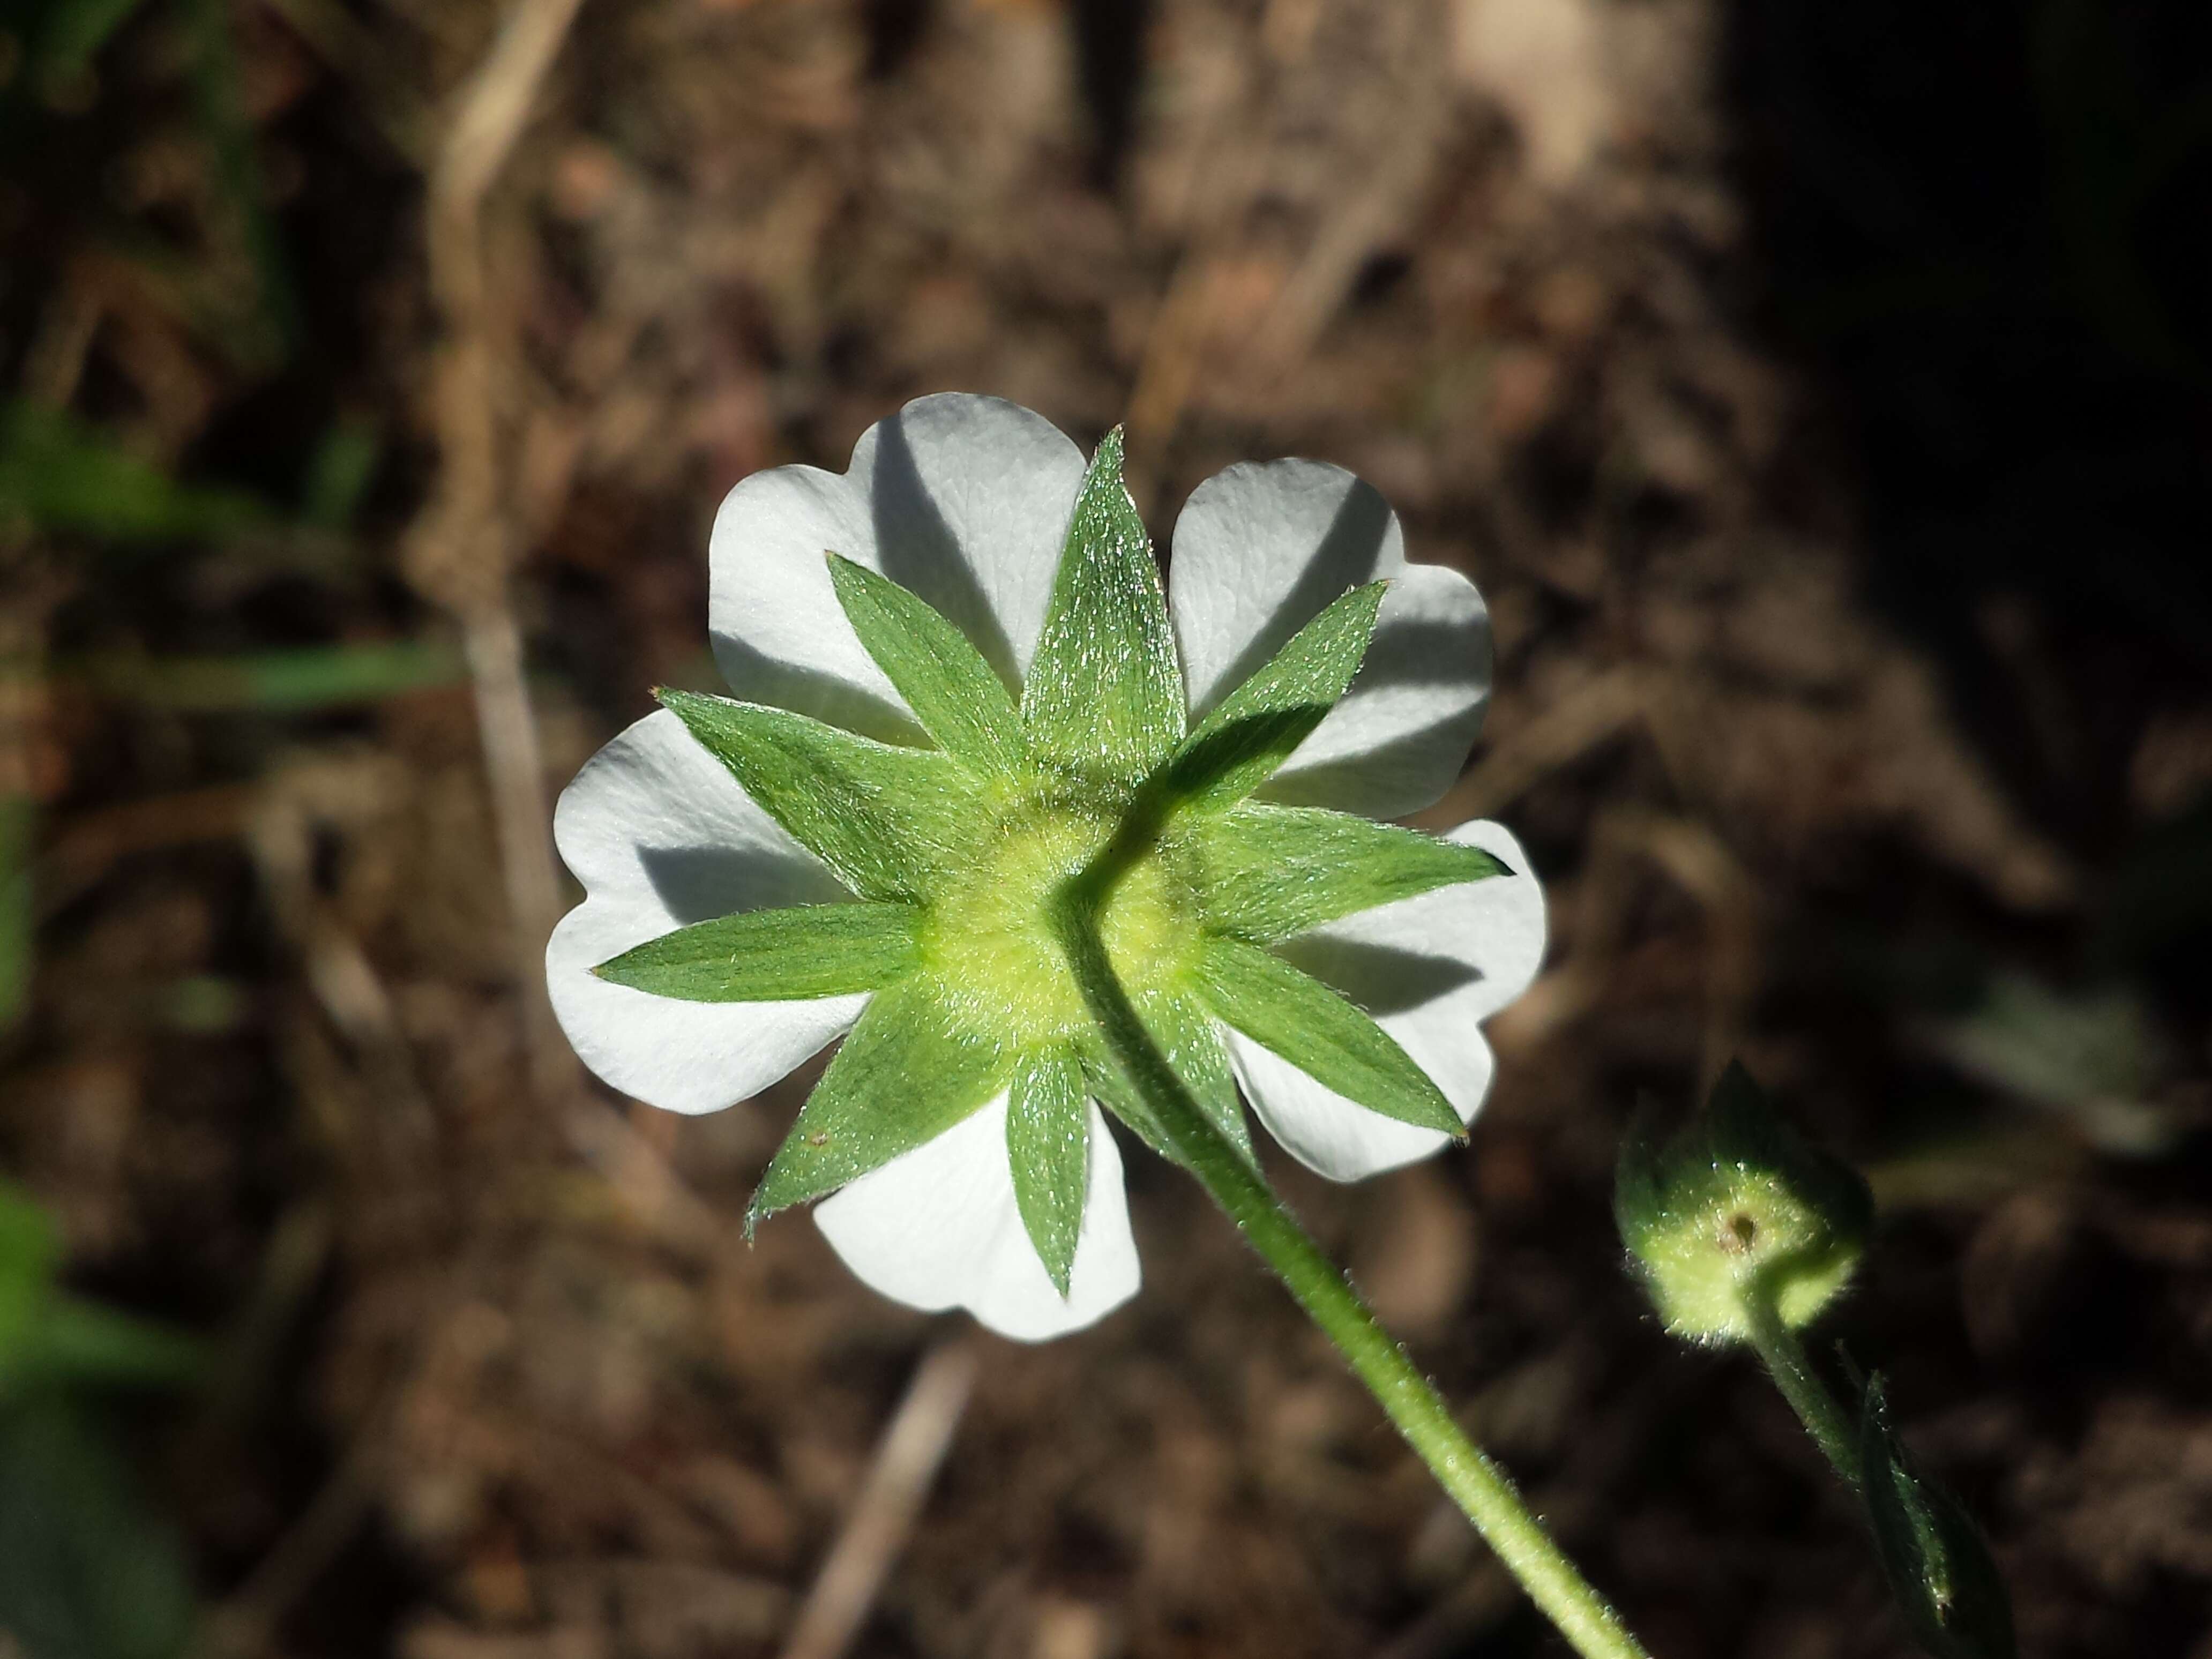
x=296 y=681
x=774 y=955
x=18 y=815
x=68 y=477
x=1295 y=1016
x=82 y=1342
x=960 y=702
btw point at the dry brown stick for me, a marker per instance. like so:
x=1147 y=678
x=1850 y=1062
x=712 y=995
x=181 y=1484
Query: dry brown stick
x=461 y=552
x=905 y=1462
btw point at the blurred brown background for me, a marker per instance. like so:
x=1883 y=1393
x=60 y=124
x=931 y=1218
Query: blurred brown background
x=1819 y=394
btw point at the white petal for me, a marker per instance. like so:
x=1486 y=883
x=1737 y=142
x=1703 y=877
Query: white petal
x=1259 y=552
x=937 y=1228
x=963 y=500
x=661 y=836
x=1427 y=968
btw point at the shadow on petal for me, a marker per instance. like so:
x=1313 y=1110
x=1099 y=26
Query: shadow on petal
x=919 y=552
x=698 y=884
x=1417 y=653
x=1391 y=779
x=762 y=678
x=1347 y=556
x=1378 y=978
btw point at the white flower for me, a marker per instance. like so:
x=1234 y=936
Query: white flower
x=967 y=502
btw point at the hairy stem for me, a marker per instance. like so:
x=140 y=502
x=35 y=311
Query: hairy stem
x=1477 y=1485
x=1809 y=1396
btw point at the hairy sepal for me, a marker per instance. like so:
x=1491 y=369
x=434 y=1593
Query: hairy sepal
x=1294 y=1015
x=789 y=955
x=890 y=823
x=1048 y=1147
x=1104 y=696
x=1272 y=872
x=1256 y=729
x=907 y=1072
x=960 y=701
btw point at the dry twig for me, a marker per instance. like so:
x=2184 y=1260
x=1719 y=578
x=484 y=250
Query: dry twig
x=905 y=1462
x=462 y=550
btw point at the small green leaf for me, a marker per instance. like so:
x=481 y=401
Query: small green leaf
x=944 y=680
x=1048 y=1147
x=1939 y=1567
x=774 y=955
x=86 y=1342
x=888 y=821
x=1104 y=697
x=1295 y=1016
x=88 y=1569
x=1239 y=745
x=906 y=1074
x=1274 y=871
x=30 y=1253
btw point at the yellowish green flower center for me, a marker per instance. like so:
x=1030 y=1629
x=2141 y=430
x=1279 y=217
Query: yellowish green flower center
x=990 y=939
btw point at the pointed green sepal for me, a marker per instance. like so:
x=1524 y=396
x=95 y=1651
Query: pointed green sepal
x=1104 y=696
x=961 y=703
x=1048 y=1149
x=888 y=821
x=1255 y=729
x=775 y=956
x=1187 y=1038
x=1294 y=1015
x=907 y=1073
x=1186 y=1034
x=1272 y=872
x=1936 y=1561
x=1739 y=1205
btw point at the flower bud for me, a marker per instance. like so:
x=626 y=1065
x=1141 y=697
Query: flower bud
x=1740 y=1208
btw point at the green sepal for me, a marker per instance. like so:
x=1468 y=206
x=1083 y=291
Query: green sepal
x=1255 y=729
x=1188 y=1038
x=1294 y=1015
x=1048 y=1149
x=907 y=1073
x=1184 y=1032
x=1270 y=872
x=1738 y=1204
x=1110 y=1089
x=961 y=703
x=888 y=821
x=1104 y=696
x=775 y=956
x=1937 y=1563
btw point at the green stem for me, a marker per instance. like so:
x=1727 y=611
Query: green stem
x=1478 y=1486
x=1791 y=1368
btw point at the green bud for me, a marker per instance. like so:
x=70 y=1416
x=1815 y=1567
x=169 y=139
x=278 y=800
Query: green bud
x=1939 y=1569
x=1738 y=1206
